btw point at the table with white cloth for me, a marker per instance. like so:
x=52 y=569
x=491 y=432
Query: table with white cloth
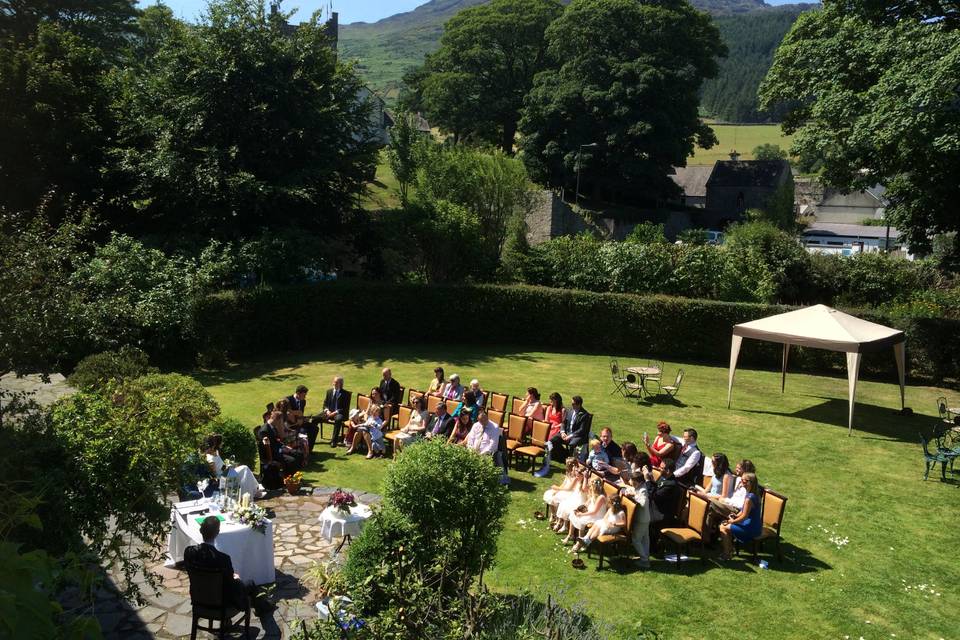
x=250 y=551
x=335 y=523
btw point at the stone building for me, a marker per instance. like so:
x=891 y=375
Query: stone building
x=737 y=185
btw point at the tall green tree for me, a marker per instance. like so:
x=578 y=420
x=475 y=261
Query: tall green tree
x=488 y=57
x=234 y=122
x=403 y=154
x=106 y=24
x=868 y=114
x=626 y=77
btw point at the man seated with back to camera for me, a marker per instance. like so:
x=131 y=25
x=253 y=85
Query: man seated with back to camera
x=206 y=556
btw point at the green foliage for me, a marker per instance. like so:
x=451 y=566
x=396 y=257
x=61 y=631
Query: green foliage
x=233 y=121
x=877 y=119
x=442 y=512
x=568 y=262
x=625 y=76
x=96 y=371
x=695 y=236
x=751 y=39
x=768 y=151
x=647 y=233
x=106 y=24
x=475 y=83
x=778 y=210
x=127 y=446
x=768 y=261
x=406 y=147
x=446 y=234
x=238 y=441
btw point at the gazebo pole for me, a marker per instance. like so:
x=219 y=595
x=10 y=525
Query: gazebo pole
x=783 y=370
x=734 y=353
x=853 y=372
x=898 y=353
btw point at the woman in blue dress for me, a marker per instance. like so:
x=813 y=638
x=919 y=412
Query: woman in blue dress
x=747 y=524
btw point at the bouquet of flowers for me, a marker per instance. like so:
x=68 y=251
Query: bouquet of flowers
x=342 y=501
x=294 y=478
x=253 y=516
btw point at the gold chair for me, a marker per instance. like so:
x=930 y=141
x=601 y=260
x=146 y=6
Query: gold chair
x=538 y=442
x=616 y=540
x=389 y=437
x=514 y=434
x=496 y=417
x=693 y=532
x=498 y=401
x=774 y=505
x=432 y=403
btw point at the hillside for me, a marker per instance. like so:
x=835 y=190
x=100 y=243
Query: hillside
x=386 y=48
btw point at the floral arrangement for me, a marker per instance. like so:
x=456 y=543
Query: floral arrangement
x=252 y=515
x=294 y=478
x=341 y=500
x=338 y=610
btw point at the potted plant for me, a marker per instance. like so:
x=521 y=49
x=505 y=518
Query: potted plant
x=292 y=482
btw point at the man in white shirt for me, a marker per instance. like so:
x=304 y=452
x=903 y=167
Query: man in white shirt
x=484 y=438
x=690 y=462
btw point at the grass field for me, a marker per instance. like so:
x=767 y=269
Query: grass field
x=742 y=137
x=896 y=576
x=383 y=192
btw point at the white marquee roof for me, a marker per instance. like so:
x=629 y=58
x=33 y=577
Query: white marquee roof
x=822 y=327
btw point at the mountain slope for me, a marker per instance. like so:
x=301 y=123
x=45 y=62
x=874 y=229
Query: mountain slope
x=384 y=49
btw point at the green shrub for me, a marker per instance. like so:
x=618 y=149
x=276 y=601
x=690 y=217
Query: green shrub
x=647 y=233
x=238 y=441
x=95 y=371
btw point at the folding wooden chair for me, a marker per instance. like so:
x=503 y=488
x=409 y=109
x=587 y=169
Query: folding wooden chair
x=619 y=382
x=672 y=389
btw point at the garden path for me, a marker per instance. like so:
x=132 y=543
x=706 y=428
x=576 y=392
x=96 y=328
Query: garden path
x=297 y=546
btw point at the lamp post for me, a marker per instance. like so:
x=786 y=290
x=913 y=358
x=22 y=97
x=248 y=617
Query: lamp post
x=576 y=197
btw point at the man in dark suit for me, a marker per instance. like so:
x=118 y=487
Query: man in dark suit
x=390 y=391
x=440 y=424
x=574 y=432
x=298 y=404
x=336 y=407
x=207 y=556
x=665 y=496
x=289 y=458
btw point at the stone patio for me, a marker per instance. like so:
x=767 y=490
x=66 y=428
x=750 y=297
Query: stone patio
x=297 y=547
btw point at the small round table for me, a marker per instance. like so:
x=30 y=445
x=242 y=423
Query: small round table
x=334 y=523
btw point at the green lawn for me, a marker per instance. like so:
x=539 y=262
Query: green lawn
x=897 y=574
x=383 y=192
x=742 y=137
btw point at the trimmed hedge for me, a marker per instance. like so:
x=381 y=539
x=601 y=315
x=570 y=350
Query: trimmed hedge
x=245 y=323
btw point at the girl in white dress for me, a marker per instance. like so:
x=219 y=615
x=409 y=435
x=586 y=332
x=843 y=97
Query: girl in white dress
x=556 y=493
x=614 y=520
x=247 y=481
x=573 y=499
x=589 y=512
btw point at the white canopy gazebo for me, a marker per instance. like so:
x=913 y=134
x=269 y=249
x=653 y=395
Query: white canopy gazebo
x=821 y=327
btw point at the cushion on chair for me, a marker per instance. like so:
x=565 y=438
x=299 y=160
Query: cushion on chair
x=767 y=532
x=681 y=536
x=513 y=444
x=529 y=450
x=607 y=538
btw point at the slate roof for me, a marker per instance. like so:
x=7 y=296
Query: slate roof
x=849 y=230
x=692 y=180
x=747 y=173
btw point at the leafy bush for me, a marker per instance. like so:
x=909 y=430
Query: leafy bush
x=95 y=371
x=127 y=448
x=446 y=235
x=647 y=233
x=238 y=441
x=442 y=511
x=775 y=260
x=693 y=236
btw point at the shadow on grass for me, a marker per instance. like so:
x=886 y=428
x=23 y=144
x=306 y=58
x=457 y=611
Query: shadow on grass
x=452 y=355
x=867 y=418
x=796 y=560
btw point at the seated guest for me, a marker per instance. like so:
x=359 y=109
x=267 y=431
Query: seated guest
x=415 y=427
x=556 y=493
x=390 y=391
x=484 y=436
x=289 y=432
x=721 y=489
x=597 y=460
x=574 y=431
x=611 y=467
x=478 y=392
x=689 y=465
x=665 y=496
x=592 y=510
x=468 y=404
x=245 y=478
x=336 y=408
x=441 y=424
x=633 y=462
x=747 y=524
x=359 y=417
x=576 y=497
x=531 y=407
x=453 y=390
x=664 y=446
x=370 y=431
x=298 y=408
x=206 y=556
x=438 y=382
x=461 y=429
x=289 y=458
x=554 y=415
x=613 y=521
x=735 y=503
x=266 y=414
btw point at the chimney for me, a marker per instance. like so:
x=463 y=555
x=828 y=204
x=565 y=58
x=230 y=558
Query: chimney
x=734 y=155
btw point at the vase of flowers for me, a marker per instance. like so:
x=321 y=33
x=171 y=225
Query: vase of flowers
x=292 y=482
x=341 y=501
x=253 y=516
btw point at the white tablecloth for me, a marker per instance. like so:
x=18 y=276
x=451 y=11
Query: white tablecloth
x=250 y=551
x=335 y=524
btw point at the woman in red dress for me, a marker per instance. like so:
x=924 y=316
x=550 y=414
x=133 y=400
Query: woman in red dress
x=555 y=415
x=663 y=447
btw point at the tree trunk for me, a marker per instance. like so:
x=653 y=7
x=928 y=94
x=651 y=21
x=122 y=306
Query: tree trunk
x=509 y=133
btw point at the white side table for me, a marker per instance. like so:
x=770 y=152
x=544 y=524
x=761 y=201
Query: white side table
x=334 y=523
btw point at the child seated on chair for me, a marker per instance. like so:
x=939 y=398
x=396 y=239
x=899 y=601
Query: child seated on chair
x=598 y=458
x=614 y=520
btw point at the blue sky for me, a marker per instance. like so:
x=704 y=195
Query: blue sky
x=349 y=10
